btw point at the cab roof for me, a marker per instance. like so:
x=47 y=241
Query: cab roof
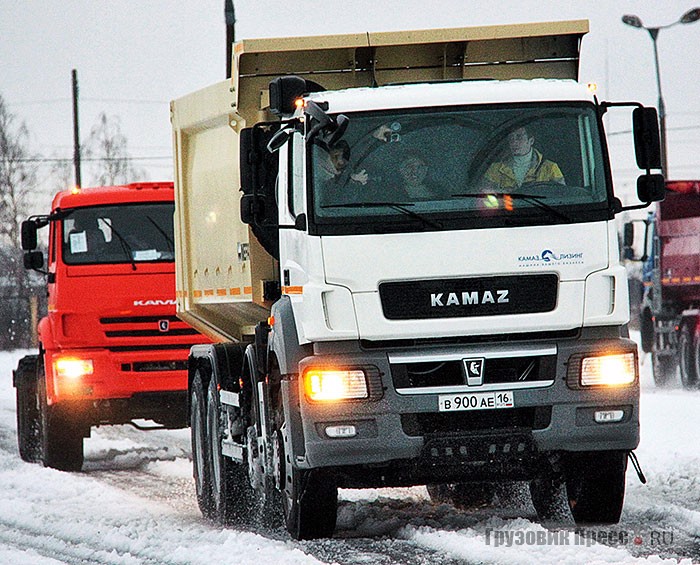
x=118 y=194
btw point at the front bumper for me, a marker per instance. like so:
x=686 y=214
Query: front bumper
x=118 y=374
x=401 y=432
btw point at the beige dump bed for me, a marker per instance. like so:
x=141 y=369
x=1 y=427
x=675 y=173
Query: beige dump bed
x=220 y=266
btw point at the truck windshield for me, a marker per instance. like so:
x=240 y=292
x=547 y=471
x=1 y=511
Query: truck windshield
x=460 y=168
x=128 y=233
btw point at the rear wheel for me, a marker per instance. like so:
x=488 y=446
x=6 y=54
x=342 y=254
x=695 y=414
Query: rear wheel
x=28 y=413
x=200 y=442
x=664 y=366
x=61 y=432
x=688 y=357
x=232 y=496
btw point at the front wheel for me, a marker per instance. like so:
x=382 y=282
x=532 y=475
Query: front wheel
x=687 y=353
x=310 y=502
x=28 y=413
x=61 y=433
x=595 y=485
x=309 y=497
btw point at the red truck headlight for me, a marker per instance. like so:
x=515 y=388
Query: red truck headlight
x=72 y=367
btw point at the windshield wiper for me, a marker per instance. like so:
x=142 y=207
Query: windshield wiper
x=400 y=206
x=126 y=248
x=168 y=239
x=537 y=201
x=532 y=198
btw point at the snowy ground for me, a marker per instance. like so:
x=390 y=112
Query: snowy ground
x=134 y=504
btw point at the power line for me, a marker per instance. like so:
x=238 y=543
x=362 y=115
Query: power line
x=678 y=128
x=67 y=159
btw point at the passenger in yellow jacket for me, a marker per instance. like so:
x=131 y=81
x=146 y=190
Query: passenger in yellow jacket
x=525 y=165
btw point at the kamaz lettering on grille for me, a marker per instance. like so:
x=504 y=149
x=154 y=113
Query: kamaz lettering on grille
x=466 y=298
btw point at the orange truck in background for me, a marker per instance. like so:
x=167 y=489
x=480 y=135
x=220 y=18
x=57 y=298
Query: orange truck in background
x=111 y=349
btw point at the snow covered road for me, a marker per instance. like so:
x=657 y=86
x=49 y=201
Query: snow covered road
x=134 y=503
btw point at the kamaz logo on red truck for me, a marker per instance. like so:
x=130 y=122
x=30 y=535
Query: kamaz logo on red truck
x=154 y=302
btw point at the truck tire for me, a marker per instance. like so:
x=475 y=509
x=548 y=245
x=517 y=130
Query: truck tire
x=28 y=414
x=664 y=366
x=61 y=437
x=310 y=502
x=595 y=485
x=688 y=357
x=646 y=330
x=309 y=496
x=462 y=495
x=232 y=497
x=548 y=494
x=200 y=444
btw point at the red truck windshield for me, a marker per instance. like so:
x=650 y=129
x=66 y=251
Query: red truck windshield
x=126 y=233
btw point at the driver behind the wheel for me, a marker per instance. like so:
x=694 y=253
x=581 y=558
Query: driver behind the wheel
x=524 y=165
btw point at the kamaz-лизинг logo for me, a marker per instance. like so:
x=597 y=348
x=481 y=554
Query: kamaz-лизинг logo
x=549 y=257
x=468 y=298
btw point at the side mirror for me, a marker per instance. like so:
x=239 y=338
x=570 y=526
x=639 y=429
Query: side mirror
x=651 y=188
x=33 y=260
x=284 y=91
x=647 y=142
x=628 y=234
x=29 y=238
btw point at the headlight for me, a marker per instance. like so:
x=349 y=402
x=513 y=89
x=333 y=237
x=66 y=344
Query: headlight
x=72 y=368
x=329 y=385
x=611 y=370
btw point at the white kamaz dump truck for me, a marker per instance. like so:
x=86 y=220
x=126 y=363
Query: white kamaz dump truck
x=399 y=293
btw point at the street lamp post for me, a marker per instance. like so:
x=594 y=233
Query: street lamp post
x=689 y=17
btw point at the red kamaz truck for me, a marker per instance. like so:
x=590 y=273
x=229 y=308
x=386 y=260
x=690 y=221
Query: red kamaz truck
x=111 y=349
x=670 y=310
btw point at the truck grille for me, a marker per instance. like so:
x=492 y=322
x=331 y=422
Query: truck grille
x=154 y=366
x=145 y=326
x=527 y=369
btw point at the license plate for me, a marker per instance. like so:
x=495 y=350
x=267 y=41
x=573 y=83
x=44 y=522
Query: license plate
x=476 y=401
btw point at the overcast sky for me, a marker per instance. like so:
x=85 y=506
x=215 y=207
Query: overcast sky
x=134 y=56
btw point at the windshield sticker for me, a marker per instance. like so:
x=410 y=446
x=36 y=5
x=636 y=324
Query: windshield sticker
x=550 y=258
x=146 y=255
x=78 y=242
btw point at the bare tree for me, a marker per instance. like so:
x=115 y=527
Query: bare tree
x=18 y=184
x=107 y=149
x=18 y=174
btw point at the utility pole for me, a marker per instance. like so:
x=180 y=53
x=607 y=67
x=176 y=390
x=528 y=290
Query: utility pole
x=230 y=17
x=76 y=131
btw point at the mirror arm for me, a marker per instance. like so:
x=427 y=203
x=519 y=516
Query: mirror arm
x=618 y=207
